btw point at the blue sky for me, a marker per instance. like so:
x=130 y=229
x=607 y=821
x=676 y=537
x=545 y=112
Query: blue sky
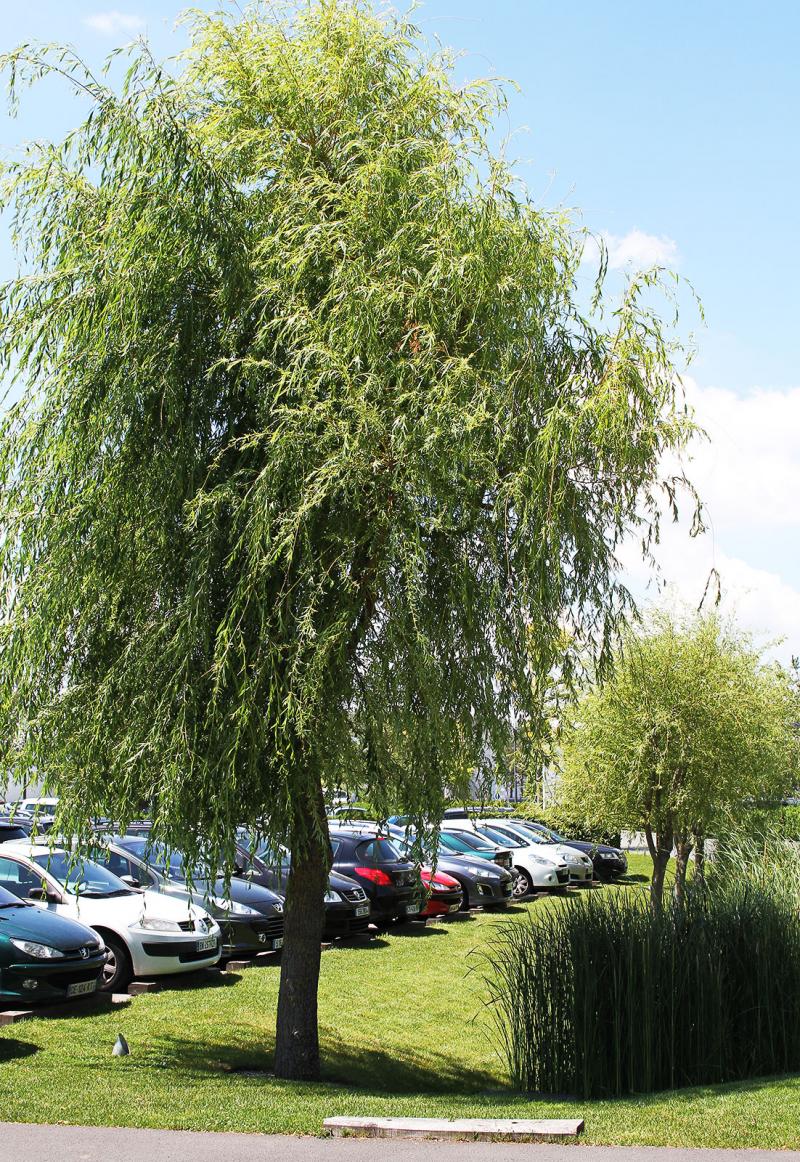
x=673 y=128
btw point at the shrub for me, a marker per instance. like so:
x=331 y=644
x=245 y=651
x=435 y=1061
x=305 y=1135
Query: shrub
x=606 y=996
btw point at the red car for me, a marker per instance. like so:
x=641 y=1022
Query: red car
x=444 y=893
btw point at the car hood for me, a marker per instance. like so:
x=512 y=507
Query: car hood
x=342 y=883
x=460 y=865
x=27 y=922
x=117 y=911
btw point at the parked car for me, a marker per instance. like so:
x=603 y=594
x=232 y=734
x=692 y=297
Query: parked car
x=581 y=869
x=145 y=934
x=607 y=861
x=465 y=843
x=37 y=804
x=11 y=829
x=444 y=893
x=250 y=917
x=44 y=957
x=347 y=906
x=390 y=881
x=483 y=884
x=537 y=866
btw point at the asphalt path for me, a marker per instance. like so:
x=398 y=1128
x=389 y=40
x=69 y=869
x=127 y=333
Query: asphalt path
x=29 y=1143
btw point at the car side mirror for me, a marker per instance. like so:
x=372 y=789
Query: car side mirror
x=131 y=881
x=44 y=896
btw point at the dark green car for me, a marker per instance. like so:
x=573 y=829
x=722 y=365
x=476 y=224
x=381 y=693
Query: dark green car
x=44 y=957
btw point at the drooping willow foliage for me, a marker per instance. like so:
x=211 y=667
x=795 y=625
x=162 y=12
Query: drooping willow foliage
x=315 y=460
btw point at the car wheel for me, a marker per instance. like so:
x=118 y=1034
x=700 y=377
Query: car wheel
x=464 y=897
x=523 y=884
x=118 y=970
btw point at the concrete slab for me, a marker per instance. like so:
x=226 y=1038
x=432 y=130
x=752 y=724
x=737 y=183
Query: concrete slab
x=77 y=1008
x=463 y=1129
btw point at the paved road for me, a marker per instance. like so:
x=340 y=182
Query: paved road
x=25 y=1143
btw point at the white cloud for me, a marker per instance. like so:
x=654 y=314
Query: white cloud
x=113 y=22
x=750 y=467
x=748 y=476
x=635 y=250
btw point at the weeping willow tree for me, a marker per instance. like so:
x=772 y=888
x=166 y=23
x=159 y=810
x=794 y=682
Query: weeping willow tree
x=315 y=456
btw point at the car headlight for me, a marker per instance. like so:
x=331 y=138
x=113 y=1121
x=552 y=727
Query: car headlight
x=157 y=924
x=40 y=951
x=332 y=897
x=232 y=907
x=609 y=855
x=538 y=859
x=480 y=872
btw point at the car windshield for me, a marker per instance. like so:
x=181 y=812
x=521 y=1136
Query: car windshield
x=81 y=877
x=154 y=855
x=502 y=839
x=464 y=841
x=523 y=837
x=540 y=829
x=9 y=900
x=378 y=851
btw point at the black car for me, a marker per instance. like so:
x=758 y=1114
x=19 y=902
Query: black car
x=607 y=861
x=483 y=883
x=347 y=907
x=391 y=882
x=11 y=829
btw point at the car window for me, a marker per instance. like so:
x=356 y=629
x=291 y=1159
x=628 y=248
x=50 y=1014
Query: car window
x=83 y=876
x=502 y=839
x=18 y=878
x=377 y=851
x=465 y=841
x=528 y=836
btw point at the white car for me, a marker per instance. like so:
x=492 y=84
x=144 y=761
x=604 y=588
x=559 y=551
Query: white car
x=146 y=934
x=30 y=807
x=535 y=868
x=581 y=868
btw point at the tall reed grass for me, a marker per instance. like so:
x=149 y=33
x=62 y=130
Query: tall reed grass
x=603 y=996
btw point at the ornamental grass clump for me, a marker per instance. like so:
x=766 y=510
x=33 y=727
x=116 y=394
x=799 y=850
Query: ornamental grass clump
x=606 y=996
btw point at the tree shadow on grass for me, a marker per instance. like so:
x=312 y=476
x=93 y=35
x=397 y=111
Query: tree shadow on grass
x=417 y=930
x=11 y=1049
x=371 y=1071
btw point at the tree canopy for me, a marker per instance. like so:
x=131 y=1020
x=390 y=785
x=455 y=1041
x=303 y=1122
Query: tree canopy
x=318 y=452
x=691 y=726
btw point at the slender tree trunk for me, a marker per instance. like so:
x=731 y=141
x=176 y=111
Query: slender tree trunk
x=297 y=1038
x=700 y=857
x=660 y=847
x=683 y=849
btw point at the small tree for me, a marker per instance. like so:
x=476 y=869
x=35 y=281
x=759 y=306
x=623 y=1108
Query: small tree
x=691 y=725
x=315 y=449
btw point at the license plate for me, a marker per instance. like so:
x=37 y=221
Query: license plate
x=276 y=944
x=207 y=944
x=363 y=910
x=81 y=988
x=411 y=909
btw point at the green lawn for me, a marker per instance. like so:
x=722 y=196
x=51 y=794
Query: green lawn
x=404 y=1031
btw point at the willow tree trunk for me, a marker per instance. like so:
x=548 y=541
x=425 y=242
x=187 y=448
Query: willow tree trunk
x=699 y=856
x=297 y=1037
x=660 y=847
x=683 y=849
